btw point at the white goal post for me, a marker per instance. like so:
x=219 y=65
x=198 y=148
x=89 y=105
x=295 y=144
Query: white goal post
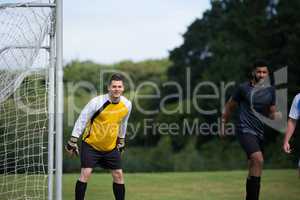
x=31 y=99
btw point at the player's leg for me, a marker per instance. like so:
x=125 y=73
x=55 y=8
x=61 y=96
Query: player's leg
x=253 y=148
x=255 y=171
x=117 y=175
x=118 y=184
x=256 y=164
x=81 y=183
x=88 y=158
x=112 y=161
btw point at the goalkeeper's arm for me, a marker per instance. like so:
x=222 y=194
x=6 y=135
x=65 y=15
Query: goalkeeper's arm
x=85 y=115
x=122 y=131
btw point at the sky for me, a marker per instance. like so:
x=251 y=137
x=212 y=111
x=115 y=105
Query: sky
x=111 y=31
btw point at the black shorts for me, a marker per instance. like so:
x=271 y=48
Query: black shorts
x=250 y=143
x=91 y=158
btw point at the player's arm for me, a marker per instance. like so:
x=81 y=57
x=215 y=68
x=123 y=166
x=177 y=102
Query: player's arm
x=85 y=115
x=291 y=125
x=272 y=112
x=122 y=131
x=292 y=121
x=229 y=108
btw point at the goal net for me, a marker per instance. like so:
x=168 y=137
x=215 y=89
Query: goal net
x=24 y=61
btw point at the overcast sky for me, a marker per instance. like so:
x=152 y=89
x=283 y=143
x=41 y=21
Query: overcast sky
x=114 y=30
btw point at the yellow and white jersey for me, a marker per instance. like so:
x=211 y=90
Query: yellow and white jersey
x=102 y=121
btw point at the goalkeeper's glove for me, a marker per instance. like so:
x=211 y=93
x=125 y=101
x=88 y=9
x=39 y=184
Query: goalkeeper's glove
x=72 y=147
x=121 y=144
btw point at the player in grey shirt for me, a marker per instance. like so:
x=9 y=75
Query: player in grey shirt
x=254 y=98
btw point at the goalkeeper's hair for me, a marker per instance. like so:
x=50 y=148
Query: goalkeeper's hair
x=116 y=77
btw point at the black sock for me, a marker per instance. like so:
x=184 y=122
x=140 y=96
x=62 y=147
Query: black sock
x=119 y=191
x=80 y=190
x=252 y=188
x=248 y=189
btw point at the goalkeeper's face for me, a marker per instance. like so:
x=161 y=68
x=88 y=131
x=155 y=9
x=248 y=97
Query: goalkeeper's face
x=116 y=89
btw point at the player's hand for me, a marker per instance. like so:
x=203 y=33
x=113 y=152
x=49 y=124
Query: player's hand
x=71 y=147
x=286 y=147
x=121 y=144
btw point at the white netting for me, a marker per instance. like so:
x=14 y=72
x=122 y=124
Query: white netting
x=23 y=101
x=22 y=32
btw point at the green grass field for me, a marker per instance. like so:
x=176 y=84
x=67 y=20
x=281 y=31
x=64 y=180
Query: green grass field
x=225 y=185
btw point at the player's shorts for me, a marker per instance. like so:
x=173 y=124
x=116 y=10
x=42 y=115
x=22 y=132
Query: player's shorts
x=250 y=143
x=91 y=158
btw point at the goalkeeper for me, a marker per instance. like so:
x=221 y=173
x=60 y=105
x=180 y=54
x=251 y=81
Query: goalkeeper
x=103 y=122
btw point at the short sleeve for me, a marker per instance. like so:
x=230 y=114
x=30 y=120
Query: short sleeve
x=295 y=108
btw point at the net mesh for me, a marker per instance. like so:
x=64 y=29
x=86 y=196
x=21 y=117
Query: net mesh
x=23 y=100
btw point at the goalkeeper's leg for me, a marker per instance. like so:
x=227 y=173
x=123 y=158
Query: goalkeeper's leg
x=118 y=184
x=81 y=184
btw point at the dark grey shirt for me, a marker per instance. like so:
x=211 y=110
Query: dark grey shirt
x=253 y=99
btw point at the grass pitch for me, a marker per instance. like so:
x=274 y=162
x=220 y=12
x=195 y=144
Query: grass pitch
x=222 y=185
